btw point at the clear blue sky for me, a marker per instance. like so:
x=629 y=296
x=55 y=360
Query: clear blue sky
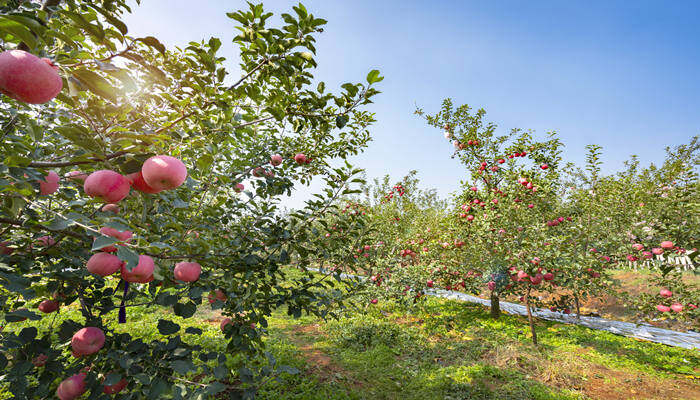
x=621 y=74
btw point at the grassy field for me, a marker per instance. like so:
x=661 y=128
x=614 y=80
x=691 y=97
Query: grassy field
x=451 y=350
x=448 y=350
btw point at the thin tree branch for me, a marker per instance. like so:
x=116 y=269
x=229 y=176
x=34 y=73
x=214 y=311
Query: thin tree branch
x=48 y=164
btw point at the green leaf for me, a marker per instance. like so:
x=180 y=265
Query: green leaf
x=373 y=77
x=21 y=315
x=215 y=44
x=182 y=367
x=128 y=256
x=19 y=31
x=158 y=388
x=153 y=42
x=79 y=136
x=112 y=379
x=221 y=372
x=68 y=329
x=306 y=55
x=193 y=331
x=166 y=299
x=96 y=84
x=204 y=161
x=185 y=310
x=117 y=225
x=111 y=19
x=166 y=327
x=59 y=224
x=103 y=241
x=214 y=388
x=28 y=334
x=93 y=30
x=341 y=120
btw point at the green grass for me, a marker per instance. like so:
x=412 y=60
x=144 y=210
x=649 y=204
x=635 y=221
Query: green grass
x=440 y=350
x=452 y=350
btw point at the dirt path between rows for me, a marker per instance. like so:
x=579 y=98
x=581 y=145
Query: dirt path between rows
x=318 y=363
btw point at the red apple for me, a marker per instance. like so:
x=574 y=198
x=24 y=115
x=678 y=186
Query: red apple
x=224 y=322
x=77 y=176
x=187 y=271
x=522 y=275
x=5 y=249
x=544 y=166
x=300 y=158
x=46 y=241
x=139 y=184
x=28 y=78
x=429 y=283
x=216 y=295
x=373 y=301
x=88 y=340
x=141 y=273
x=107 y=185
x=104 y=264
x=40 y=360
x=164 y=172
x=258 y=172
x=122 y=236
x=276 y=160
x=116 y=388
x=71 y=388
x=48 y=306
x=50 y=184
x=113 y=208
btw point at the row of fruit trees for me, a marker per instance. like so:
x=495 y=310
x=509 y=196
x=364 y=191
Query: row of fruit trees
x=526 y=223
x=136 y=175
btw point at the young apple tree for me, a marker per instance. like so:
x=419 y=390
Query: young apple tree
x=511 y=185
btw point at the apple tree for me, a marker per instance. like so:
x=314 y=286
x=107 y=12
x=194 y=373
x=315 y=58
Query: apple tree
x=511 y=185
x=137 y=175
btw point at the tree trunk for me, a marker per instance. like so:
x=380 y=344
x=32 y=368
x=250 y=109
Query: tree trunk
x=578 y=307
x=495 y=306
x=530 y=319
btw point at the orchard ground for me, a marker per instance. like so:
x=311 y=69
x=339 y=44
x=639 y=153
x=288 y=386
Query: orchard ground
x=439 y=349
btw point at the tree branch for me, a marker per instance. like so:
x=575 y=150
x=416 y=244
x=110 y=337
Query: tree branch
x=20 y=223
x=48 y=164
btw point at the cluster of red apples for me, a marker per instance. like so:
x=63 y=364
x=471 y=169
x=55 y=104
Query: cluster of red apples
x=675 y=306
x=29 y=79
